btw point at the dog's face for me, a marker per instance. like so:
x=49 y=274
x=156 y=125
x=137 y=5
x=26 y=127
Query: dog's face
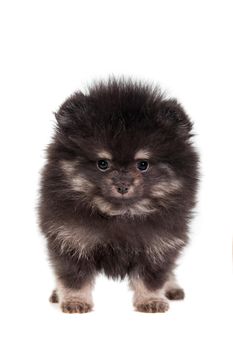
x=115 y=188
x=122 y=165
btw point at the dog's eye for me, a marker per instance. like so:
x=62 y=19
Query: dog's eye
x=143 y=165
x=103 y=164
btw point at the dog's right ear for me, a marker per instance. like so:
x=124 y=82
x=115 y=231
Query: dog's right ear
x=70 y=110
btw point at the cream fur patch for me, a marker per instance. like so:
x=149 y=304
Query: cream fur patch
x=83 y=294
x=161 y=246
x=103 y=154
x=166 y=187
x=171 y=283
x=141 y=293
x=142 y=154
x=141 y=208
x=77 y=182
x=77 y=241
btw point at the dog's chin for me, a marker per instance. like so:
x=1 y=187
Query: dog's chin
x=122 y=201
x=115 y=206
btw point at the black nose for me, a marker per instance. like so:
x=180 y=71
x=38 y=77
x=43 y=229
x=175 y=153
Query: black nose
x=122 y=189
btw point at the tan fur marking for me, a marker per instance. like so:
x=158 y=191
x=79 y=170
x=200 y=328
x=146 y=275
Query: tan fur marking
x=72 y=300
x=78 y=182
x=161 y=246
x=142 y=154
x=171 y=282
x=81 y=184
x=172 y=289
x=141 y=208
x=76 y=240
x=163 y=188
x=103 y=154
x=145 y=300
x=68 y=166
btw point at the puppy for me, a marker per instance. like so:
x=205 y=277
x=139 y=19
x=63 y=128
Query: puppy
x=117 y=193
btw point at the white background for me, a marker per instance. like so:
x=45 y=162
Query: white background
x=48 y=50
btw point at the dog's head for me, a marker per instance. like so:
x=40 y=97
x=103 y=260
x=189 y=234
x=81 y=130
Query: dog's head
x=125 y=148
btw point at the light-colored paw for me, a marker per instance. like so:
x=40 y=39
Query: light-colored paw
x=152 y=306
x=78 y=307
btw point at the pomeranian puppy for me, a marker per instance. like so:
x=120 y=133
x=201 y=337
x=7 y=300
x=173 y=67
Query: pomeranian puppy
x=117 y=193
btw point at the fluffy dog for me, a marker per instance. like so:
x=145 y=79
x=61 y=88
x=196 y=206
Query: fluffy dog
x=117 y=193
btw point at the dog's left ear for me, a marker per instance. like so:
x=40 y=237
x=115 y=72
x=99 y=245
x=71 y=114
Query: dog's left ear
x=173 y=114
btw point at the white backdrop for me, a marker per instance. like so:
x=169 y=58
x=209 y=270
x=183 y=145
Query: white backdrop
x=48 y=50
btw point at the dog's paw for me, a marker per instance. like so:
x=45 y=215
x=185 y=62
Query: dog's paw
x=175 y=294
x=152 y=306
x=78 y=307
x=54 y=297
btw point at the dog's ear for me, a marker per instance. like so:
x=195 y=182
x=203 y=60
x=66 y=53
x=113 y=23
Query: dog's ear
x=70 y=110
x=172 y=114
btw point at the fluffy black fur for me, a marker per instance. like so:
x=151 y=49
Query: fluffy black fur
x=88 y=225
